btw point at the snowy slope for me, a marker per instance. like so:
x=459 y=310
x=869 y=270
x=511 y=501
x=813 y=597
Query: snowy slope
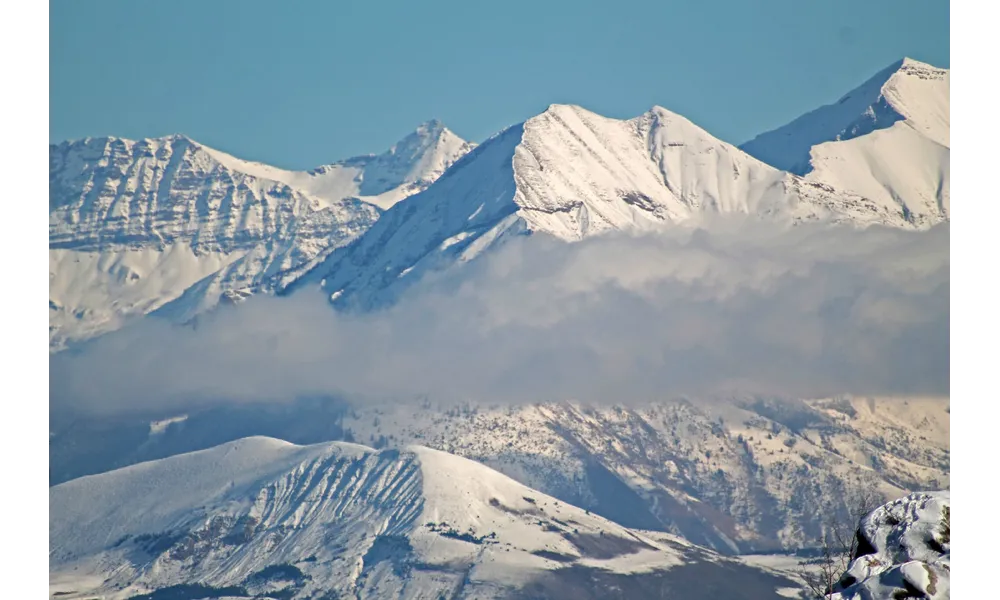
x=135 y=225
x=786 y=465
x=905 y=551
x=263 y=518
x=887 y=140
x=410 y=166
x=571 y=174
x=735 y=476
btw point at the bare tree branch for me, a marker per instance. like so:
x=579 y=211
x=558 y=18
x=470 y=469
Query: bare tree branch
x=839 y=541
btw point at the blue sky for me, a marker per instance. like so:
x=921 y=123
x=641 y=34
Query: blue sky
x=300 y=84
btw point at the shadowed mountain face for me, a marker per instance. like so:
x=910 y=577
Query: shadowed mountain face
x=739 y=476
x=697 y=579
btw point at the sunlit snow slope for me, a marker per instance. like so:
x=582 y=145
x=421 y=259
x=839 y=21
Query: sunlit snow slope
x=135 y=225
x=742 y=476
x=571 y=174
x=888 y=140
x=260 y=517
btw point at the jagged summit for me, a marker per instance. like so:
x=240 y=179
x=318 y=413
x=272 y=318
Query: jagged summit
x=431 y=126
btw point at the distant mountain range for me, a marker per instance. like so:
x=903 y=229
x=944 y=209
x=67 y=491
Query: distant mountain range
x=564 y=500
x=173 y=227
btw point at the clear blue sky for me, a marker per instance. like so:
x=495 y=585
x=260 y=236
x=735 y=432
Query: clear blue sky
x=299 y=84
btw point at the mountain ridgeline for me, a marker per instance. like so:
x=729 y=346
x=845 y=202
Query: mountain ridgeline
x=173 y=227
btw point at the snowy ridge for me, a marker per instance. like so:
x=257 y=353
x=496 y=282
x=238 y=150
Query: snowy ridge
x=906 y=90
x=887 y=140
x=135 y=225
x=570 y=173
x=787 y=465
x=567 y=172
x=259 y=517
x=905 y=551
x=408 y=167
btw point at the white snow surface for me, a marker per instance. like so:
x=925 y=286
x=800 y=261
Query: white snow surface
x=786 y=465
x=380 y=179
x=351 y=519
x=880 y=156
x=172 y=225
x=888 y=140
x=571 y=174
x=908 y=551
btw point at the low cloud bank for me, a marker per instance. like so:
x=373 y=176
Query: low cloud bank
x=745 y=308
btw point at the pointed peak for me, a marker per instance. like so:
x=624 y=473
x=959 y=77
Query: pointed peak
x=871 y=90
x=431 y=125
x=432 y=128
x=659 y=111
x=902 y=67
x=428 y=133
x=912 y=62
x=910 y=66
x=676 y=121
x=563 y=108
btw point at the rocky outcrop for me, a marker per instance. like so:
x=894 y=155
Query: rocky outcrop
x=904 y=551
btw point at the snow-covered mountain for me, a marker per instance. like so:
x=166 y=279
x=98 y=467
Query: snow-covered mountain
x=570 y=173
x=887 y=140
x=263 y=518
x=904 y=551
x=137 y=225
x=740 y=476
x=172 y=226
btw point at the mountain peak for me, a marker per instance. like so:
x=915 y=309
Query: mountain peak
x=178 y=137
x=426 y=136
x=907 y=90
x=666 y=115
x=559 y=110
x=906 y=61
x=431 y=126
x=874 y=85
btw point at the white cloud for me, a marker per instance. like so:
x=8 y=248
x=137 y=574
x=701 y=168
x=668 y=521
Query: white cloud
x=747 y=308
